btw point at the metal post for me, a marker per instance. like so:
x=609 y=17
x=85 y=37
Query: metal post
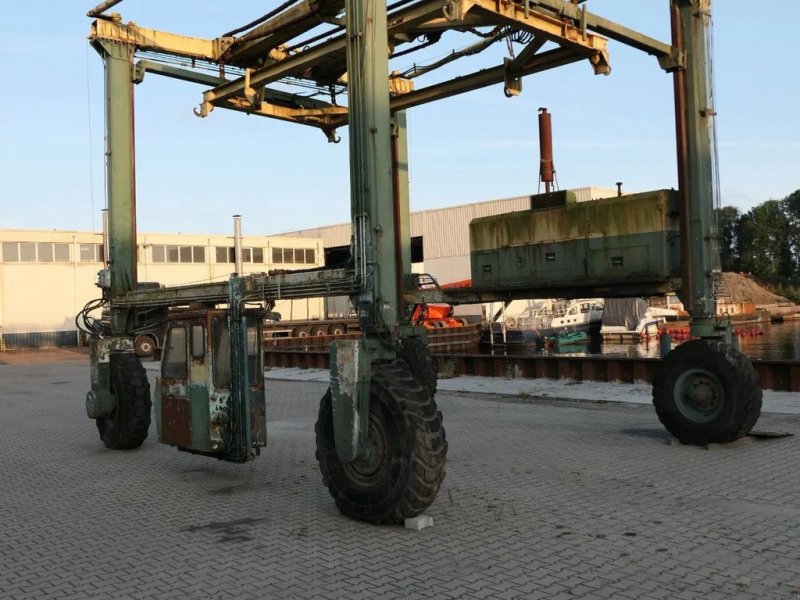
x=694 y=123
x=546 y=169
x=121 y=251
x=371 y=165
x=237 y=244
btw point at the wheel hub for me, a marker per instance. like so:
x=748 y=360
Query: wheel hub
x=374 y=462
x=699 y=395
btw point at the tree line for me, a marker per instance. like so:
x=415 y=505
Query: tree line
x=765 y=242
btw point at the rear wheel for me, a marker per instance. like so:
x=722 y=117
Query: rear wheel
x=706 y=391
x=144 y=346
x=405 y=465
x=127 y=426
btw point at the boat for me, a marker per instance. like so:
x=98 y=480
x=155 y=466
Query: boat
x=631 y=320
x=568 y=338
x=547 y=318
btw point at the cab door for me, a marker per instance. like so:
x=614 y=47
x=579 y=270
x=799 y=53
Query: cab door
x=173 y=408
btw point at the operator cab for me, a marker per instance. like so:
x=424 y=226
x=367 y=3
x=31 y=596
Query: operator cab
x=204 y=402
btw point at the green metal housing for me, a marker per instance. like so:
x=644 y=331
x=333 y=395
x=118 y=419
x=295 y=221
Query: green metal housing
x=603 y=243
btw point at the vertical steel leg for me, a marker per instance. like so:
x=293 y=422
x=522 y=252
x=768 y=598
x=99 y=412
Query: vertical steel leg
x=120 y=160
x=371 y=167
x=695 y=122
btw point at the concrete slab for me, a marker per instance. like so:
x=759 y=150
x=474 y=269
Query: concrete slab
x=541 y=500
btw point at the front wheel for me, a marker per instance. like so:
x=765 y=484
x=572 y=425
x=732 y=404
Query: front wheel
x=706 y=391
x=126 y=428
x=405 y=464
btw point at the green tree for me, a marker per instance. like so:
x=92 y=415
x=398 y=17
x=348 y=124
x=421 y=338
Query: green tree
x=763 y=237
x=729 y=248
x=791 y=209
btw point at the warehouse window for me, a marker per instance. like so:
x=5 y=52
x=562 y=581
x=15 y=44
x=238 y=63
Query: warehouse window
x=91 y=253
x=179 y=254
x=294 y=256
x=11 y=251
x=27 y=252
x=35 y=251
x=417 y=253
x=249 y=255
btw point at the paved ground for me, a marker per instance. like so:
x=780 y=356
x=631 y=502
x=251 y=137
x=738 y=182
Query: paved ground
x=543 y=499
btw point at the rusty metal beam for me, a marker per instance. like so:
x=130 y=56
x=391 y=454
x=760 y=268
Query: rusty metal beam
x=283 y=27
x=159 y=41
x=459 y=85
x=555 y=29
x=336 y=116
x=402 y=21
x=405 y=21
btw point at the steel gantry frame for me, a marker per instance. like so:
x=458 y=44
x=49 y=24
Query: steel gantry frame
x=345 y=48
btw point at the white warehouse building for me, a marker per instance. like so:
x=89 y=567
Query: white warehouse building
x=46 y=277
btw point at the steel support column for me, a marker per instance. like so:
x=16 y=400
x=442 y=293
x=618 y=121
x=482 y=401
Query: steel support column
x=120 y=173
x=695 y=122
x=371 y=189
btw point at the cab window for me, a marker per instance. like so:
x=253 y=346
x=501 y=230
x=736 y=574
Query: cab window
x=253 y=364
x=221 y=346
x=174 y=362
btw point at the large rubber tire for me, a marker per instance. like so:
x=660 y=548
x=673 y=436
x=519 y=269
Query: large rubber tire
x=144 y=345
x=706 y=391
x=408 y=441
x=424 y=365
x=301 y=332
x=337 y=329
x=318 y=330
x=126 y=428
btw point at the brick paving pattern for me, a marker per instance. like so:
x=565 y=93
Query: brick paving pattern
x=542 y=499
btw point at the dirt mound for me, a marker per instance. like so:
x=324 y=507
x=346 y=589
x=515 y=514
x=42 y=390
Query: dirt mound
x=741 y=288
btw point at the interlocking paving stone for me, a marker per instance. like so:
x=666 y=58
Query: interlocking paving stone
x=542 y=499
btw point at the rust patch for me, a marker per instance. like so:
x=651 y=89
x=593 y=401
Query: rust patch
x=176 y=421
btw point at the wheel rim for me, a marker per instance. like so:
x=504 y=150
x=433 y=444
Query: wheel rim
x=145 y=347
x=699 y=395
x=371 y=469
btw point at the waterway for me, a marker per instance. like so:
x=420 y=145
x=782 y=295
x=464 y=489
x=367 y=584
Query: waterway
x=778 y=341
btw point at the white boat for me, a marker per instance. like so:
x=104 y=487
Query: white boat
x=630 y=319
x=546 y=318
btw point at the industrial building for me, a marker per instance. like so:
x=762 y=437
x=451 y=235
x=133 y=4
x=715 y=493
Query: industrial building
x=46 y=277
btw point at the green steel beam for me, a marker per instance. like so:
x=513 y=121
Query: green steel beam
x=371 y=189
x=120 y=170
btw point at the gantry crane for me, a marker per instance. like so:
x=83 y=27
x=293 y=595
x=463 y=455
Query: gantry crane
x=380 y=440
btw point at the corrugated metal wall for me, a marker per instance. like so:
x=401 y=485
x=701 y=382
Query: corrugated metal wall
x=39 y=339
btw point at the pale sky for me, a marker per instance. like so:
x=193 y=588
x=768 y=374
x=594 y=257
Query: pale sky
x=193 y=174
